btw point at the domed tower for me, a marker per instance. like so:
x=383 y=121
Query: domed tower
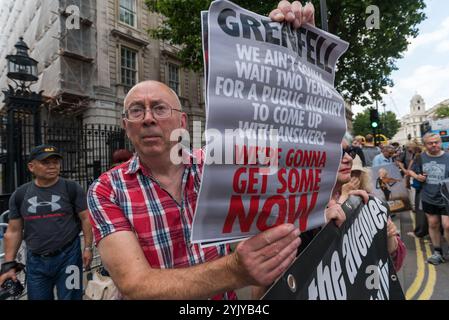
x=410 y=123
x=417 y=105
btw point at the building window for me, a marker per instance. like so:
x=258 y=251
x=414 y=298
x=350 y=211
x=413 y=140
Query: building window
x=128 y=67
x=173 y=77
x=128 y=12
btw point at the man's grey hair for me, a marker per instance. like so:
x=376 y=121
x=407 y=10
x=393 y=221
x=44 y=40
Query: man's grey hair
x=170 y=89
x=429 y=135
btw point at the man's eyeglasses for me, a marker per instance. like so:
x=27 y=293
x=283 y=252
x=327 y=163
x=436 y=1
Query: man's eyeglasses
x=349 y=150
x=138 y=113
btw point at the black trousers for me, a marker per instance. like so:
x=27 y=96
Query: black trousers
x=422 y=226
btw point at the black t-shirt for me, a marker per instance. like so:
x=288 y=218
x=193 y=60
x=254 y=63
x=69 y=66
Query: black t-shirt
x=47 y=213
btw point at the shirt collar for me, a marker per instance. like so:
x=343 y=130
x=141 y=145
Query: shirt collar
x=134 y=165
x=189 y=159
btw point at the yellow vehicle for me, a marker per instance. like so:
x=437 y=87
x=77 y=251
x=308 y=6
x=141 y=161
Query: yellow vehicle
x=381 y=138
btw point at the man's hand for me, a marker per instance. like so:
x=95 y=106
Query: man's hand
x=294 y=13
x=87 y=259
x=11 y=274
x=263 y=258
x=421 y=177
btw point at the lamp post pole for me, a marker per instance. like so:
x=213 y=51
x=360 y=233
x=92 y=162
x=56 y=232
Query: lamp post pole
x=323 y=10
x=376 y=128
x=10 y=152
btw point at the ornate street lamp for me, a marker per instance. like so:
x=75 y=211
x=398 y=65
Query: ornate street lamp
x=22 y=70
x=20 y=66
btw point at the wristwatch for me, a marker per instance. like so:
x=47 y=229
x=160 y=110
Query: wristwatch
x=90 y=248
x=6 y=266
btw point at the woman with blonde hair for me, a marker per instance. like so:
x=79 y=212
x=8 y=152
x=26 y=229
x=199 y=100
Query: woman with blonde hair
x=359 y=140
x=361 y=180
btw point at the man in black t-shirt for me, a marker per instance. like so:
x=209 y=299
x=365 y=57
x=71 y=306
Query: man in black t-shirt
x=48 y=213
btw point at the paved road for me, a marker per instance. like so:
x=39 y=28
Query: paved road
x=420 y=280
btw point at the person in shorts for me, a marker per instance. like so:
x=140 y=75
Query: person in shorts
x=432 y=168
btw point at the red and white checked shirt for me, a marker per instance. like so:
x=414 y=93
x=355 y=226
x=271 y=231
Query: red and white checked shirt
x=128 y=198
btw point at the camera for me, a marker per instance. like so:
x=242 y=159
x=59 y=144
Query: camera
x=10 y=289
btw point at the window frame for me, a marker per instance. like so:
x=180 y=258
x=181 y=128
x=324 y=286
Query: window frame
x=124 y=77
x=176 y=81
x=130 y=12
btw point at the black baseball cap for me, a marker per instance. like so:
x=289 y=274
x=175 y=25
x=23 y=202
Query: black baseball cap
x=43 y=152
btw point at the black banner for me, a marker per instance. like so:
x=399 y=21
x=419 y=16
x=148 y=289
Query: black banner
x=347 y=263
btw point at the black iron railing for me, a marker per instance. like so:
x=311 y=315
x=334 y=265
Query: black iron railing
x=87 y=149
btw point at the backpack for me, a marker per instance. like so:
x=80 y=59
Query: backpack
x=70 y=187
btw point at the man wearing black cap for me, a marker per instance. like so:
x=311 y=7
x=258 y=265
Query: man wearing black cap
x=50 y=212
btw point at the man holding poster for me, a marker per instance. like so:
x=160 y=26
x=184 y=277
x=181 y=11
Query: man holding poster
x=143 y=210
x=157 y=260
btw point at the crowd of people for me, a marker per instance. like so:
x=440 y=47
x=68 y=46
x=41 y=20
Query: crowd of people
x=423 y=168
x=143 y=208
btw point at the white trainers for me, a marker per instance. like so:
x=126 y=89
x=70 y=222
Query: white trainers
x=436 y=258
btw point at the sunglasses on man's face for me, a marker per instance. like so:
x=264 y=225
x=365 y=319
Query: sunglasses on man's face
x=349 y=150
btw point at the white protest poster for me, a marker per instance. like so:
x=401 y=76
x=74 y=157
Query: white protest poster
x=274 y=125
x=388 y=185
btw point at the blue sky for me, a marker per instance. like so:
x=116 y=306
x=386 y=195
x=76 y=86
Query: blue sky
x=425 y=66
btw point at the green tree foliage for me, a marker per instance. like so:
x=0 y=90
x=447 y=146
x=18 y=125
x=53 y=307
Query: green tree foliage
x=361 y=123
x=442 y=111
x=363 y=71
x=389 y=124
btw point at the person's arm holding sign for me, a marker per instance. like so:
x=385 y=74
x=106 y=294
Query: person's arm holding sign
x=259 y=261
x=396 y=247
